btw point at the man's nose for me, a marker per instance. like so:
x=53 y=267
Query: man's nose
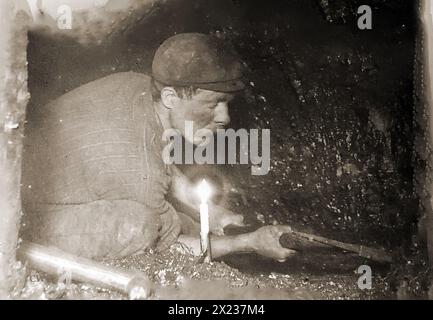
x=222 y=116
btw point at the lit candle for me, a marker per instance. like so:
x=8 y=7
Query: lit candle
x=204 y=191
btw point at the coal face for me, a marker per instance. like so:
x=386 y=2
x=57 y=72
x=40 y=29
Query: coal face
x=338 y=101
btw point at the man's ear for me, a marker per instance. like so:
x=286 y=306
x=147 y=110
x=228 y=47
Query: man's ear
x=169 y=97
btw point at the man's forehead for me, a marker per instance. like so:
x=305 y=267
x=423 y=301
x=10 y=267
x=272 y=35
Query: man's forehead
x=213 y=95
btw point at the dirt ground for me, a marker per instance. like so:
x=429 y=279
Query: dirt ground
x=339 y=103
x=177 y=275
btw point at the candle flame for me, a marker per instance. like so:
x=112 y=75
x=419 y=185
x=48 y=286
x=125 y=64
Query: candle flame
x=204 y=191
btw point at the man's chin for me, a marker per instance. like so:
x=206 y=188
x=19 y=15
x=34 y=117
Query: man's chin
x=214 y=128
x=196 y=140
x=198 y=134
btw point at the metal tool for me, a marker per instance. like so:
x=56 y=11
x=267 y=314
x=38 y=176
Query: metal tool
x=54 y=261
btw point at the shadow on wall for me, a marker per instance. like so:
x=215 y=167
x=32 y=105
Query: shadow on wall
x=339 y=109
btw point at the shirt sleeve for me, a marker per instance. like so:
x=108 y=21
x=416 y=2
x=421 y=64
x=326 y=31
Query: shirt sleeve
x=170 y=229
x=157 y=186
x=158 y=181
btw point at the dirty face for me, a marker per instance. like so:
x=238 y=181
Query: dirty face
x=206 y=109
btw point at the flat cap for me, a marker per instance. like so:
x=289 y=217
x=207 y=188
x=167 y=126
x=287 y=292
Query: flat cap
x=199 y=60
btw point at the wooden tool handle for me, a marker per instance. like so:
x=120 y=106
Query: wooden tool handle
x=294 y=242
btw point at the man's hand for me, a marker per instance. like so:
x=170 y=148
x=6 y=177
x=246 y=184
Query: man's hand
x=219 y=218
x=266 y=242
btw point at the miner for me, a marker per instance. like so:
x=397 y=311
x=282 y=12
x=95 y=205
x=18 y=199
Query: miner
x=94 y=182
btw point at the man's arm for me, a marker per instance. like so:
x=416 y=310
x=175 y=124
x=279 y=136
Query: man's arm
x=221 y=245
x=264 y=241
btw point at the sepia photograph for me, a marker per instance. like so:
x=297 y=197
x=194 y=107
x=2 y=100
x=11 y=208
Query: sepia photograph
x=189 y=150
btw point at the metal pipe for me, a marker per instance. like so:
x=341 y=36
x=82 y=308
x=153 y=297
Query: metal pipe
x=54 y=261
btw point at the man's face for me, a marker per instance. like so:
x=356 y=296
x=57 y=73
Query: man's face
x=206 y=109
